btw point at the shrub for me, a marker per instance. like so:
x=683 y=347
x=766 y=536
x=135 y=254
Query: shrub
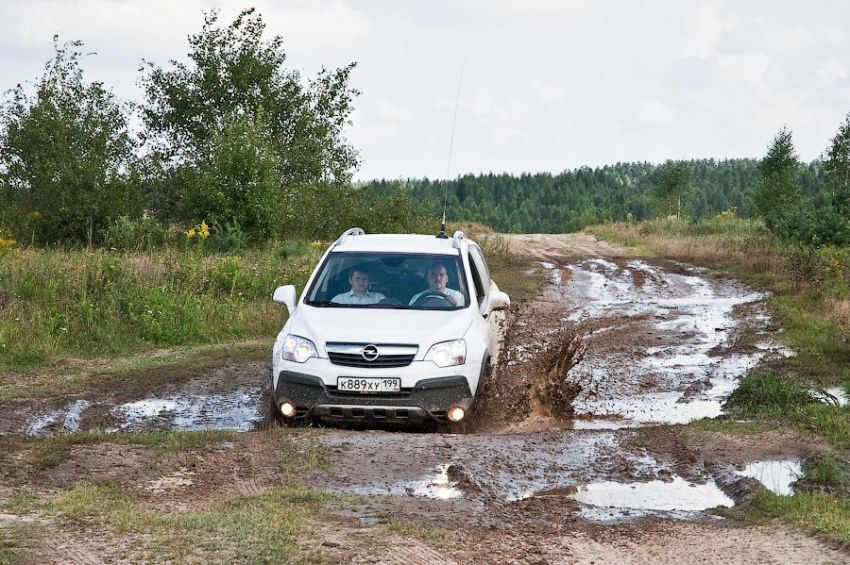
x=292 y=249
x=127 y=234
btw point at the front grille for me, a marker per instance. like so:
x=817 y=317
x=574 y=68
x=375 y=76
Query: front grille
x=388 y=355
x=349 y=360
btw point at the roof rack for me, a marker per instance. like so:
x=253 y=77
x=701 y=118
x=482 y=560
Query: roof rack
x=347 y=233
x=458 y=235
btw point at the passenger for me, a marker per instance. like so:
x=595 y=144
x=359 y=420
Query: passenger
x=359 y=280
x=438 y=277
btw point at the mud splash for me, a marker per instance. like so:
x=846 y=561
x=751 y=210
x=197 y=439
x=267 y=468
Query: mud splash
x=665 y=346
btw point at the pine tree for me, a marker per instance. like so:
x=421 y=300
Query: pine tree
x=837 y=166
x=778 y=191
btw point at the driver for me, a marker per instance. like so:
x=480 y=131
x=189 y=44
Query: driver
x=359 y=280
x=437 y=277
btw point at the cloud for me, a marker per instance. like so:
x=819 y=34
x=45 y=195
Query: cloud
x=831 y=71
x=317 y=25
x=549 y=91
x=705 y=24
x=748 y=68
x=656 y=113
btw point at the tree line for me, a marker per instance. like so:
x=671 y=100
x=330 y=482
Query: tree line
x=233 y=146
x=574 y=199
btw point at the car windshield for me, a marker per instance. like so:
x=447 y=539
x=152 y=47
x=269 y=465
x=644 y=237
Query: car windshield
x=390 y=280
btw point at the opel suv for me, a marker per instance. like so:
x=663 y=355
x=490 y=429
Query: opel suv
x=395 y=328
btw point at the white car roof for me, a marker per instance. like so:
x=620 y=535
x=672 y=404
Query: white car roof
x=398 y=243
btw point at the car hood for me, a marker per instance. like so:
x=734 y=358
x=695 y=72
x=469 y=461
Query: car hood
x=372 y=325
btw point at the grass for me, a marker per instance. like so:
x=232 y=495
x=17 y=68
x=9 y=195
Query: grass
x=825 y=470
x=767 y=394
x=249 y=529
x=828 y=421
x=820 y=513
x=512 y=273
x=82 y=303
x=13 y=541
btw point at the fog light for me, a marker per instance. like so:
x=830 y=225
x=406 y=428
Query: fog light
x=456 y=414
x=287 y=409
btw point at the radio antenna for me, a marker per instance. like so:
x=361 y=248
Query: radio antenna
x=442 y=234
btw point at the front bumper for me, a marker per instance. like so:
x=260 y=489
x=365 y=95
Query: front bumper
x=428 y=399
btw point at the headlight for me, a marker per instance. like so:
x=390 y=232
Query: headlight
x=448 y=353
x=297 y=349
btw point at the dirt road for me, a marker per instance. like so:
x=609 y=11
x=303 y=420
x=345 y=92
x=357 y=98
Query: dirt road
x=597 y=469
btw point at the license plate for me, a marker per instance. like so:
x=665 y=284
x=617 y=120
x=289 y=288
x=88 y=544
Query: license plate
x=368 y=384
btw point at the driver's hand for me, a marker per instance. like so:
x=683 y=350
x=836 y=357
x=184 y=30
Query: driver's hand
x=451 y=299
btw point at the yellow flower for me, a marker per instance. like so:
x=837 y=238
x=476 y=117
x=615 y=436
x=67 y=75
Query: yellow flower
x=37 y=215
x=191 y=233
x=204 y=230
x=6 y=240
x=316 y=243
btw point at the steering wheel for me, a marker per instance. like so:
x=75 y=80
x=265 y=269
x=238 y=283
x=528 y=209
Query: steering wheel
x=431 y=295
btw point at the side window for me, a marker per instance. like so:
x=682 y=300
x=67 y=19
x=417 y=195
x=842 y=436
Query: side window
x=481 y=266
x=476 y=280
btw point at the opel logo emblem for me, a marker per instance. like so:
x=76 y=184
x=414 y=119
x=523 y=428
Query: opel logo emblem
x=369 y=352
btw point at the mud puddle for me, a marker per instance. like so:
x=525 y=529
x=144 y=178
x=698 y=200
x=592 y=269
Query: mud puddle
x=678 y=499
x=665 y=345
x=596 y=476
x=238 y=411
x=230 y=398
x=777 y=476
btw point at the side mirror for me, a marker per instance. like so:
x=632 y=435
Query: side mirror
x=285 y=295
x=499 y=300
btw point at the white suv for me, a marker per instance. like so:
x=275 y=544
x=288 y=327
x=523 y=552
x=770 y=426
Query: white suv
x=389 y=328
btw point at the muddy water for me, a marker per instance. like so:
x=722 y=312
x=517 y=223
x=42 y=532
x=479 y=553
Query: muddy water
x=208 y=402
x=593 y=474
x=778 y=476
x=665 y=346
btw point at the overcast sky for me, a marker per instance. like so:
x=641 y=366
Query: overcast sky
x=544 y=85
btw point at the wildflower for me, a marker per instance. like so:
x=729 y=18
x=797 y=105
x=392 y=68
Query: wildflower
x=36 y=216
x=204 y=230
x=316 y=243
x=6 y=240
x=190 y=233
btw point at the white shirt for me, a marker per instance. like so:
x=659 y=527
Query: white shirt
x=457 y=295
x=351 y=297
